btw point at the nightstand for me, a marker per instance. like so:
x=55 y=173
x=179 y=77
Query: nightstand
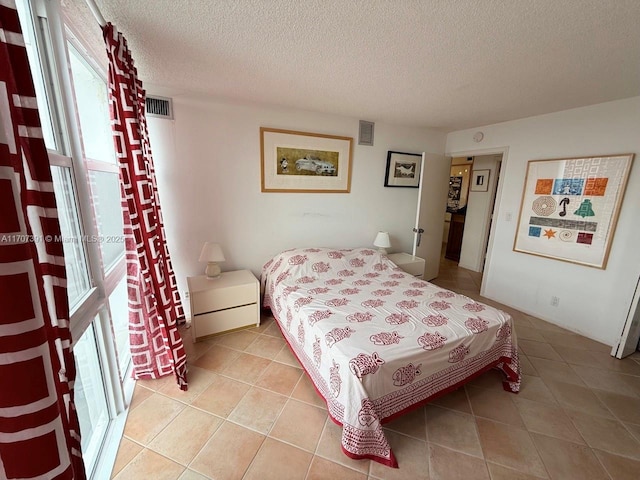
x=408 y=263
x=229 y=302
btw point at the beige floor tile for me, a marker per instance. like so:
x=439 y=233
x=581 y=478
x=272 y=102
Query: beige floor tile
x=294 y=415
x=453 y=430
x=568 y=339
x=156 y=384
x=634 y=429
x=623 y=407
x=247 y=368
x=258 y=409
x=194 y=350
x=236 y=340
x=266 y=346
x=526 y=366
x=495 y=405
x=126 y=452
x=545 y=327
x=619 y=468
x=412 y=456
x=273 y=330
x=140 y=394
x=329 y=447
x=577 y=356
x=149 y=464
x=525 y=332
x=533 y=348
x=456 y=400
x=276 y=460
x=150 y=417
x=578 y=398
x=609 y=381
x=412 y=423
x=306 y=392
x=191 y=475
x=566 y=460
x=322 y=469
x=534 y=388
x=555 y=371
x=217 y=358
x=446 y=464
x=183 y=438
x=198 y=378
x=510 y=447
x=285 y=356
x=279 y=378
x=498 y=472
x=547 y=419
x=228 y=453
x=221 y=396
x=606 y=434
x=625 y=365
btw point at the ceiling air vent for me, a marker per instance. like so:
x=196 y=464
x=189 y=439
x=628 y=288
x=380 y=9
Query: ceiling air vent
x=365 y=136
x=159 y=107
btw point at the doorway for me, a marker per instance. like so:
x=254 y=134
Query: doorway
x=468 y=224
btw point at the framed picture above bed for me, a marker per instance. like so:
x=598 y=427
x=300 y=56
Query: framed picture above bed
x=570 y=208
x=403 y=170
x=304 y=162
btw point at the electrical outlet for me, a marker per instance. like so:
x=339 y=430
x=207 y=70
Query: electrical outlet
x=555 y=301
x=185 y=295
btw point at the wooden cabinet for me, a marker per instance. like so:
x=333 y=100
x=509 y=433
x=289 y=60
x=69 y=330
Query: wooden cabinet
x=229 y=302
x=454 y=241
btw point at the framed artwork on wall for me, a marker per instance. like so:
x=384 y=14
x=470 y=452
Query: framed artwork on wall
x=304 y=162
x=570 y=208
x=480 y=180
x=403 y=169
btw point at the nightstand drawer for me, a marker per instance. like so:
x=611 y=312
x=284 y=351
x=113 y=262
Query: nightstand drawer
x=221 y=298
x=216 y=322
x=416 y=268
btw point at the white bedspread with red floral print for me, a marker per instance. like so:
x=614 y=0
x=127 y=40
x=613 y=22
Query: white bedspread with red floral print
x=376 y=341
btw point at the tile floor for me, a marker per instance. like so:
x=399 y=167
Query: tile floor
x=250 y=413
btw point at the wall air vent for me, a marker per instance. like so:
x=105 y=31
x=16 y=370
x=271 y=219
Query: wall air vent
x=159 y=107
x=365 y=136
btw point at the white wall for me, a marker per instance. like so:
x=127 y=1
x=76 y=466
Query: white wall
x=593 y=302
x=478 y=217
x=208 y=170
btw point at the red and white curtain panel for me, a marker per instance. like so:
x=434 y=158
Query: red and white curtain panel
x=39 y=433
x=154 y=300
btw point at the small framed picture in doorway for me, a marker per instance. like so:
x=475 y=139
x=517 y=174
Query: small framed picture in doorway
x=480 y=180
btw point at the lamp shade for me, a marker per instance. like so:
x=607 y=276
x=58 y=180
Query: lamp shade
x=382 y=240
x=211 y=252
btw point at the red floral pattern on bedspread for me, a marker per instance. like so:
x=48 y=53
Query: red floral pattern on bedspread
x=388 y=347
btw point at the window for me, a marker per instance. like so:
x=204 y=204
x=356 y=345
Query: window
x=76 y=128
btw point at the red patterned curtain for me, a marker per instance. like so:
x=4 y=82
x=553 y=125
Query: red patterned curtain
x=39 y=432
x=154 y=300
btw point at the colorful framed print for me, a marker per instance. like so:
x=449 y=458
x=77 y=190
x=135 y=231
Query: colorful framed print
x=570 y=208
x=403 y=169
x=304 y=162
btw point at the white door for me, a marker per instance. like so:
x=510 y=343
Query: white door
x=631 y=330
x=432 y=204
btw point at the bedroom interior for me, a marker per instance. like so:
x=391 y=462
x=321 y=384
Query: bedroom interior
x=255 y=408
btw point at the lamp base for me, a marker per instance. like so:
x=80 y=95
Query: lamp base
x=212 y=270
x=383 y=251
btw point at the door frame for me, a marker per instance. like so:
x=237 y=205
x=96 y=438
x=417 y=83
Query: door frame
x=504 y=151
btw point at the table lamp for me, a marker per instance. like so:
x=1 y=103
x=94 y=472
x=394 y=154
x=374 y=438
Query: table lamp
x=382 y=241
x=211 y=253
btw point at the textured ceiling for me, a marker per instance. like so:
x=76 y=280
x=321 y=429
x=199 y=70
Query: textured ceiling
x=448 y=64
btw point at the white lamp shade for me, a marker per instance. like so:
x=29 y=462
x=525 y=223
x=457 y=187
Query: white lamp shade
x=382 y=240
x=211 y=252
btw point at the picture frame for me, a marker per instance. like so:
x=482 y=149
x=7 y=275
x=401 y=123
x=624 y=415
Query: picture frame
x=304 y=162
x=570 y=208
x=403 y=169
x=480 y=180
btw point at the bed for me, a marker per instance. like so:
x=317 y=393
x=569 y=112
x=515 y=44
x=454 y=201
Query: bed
x=377 y=342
